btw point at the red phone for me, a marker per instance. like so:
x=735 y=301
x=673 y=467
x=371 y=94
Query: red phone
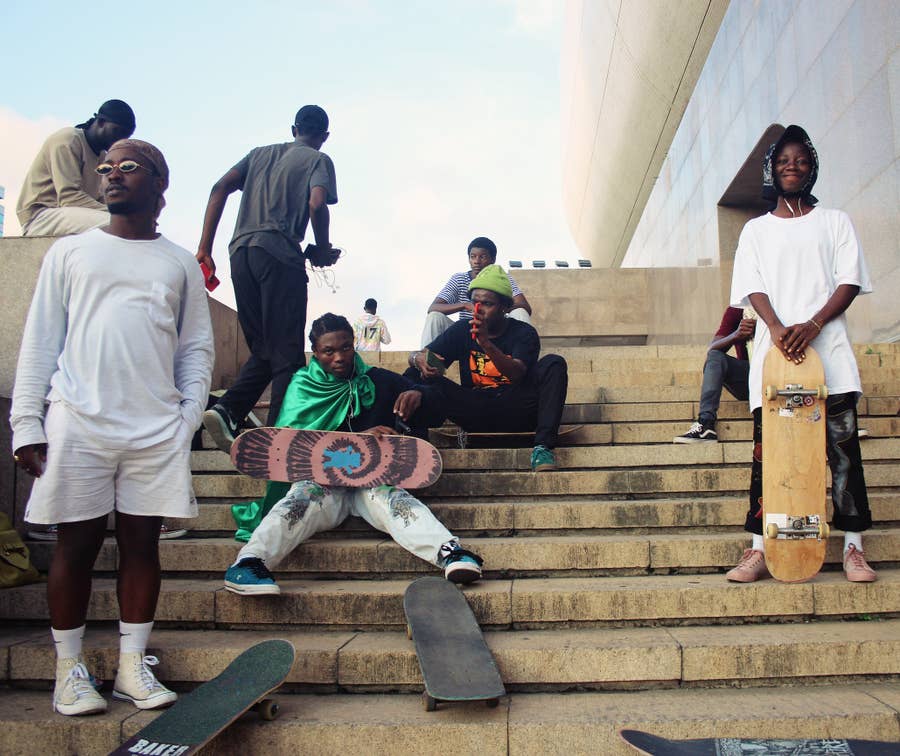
x=209 y=277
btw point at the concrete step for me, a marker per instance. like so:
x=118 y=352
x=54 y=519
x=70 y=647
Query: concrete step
x=653 y=374
x=580 y=554
x=507 y=517
x=529 y=660
x=647 y=409
x=523 y=724
x=631 y=357
x=657 y=393
x=523 y=604
x=637 y=481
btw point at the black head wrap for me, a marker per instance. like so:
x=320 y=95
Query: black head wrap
x=118 y=112
x=770 y=190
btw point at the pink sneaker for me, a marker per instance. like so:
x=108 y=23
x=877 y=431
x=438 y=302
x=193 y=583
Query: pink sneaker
x=856 y=568
x=750 y=568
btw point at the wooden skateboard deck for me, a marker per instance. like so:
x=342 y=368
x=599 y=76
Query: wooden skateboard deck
x=198 y=717
x=358 y=460
x=652 y=745
x=793 y=464
x=455 y=661
x=466 y=439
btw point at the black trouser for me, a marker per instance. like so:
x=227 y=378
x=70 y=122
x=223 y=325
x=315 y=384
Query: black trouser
x=271 y=306
x=848 y=484
x=534 y=404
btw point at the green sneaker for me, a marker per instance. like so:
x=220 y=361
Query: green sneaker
x=542 y=459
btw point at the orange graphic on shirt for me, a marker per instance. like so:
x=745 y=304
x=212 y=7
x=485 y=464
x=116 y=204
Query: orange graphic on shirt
x=483 y=371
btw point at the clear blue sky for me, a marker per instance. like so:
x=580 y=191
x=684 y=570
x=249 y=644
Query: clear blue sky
x=444 y=120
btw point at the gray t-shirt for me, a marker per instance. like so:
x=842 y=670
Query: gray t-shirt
x=274 y=212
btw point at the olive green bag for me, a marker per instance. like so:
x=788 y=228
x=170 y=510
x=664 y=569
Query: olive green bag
x=15 y=566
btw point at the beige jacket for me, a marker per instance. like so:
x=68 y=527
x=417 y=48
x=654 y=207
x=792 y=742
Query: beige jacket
x=61 y=175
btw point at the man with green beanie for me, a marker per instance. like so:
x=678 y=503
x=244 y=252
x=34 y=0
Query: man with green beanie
x=504 y=387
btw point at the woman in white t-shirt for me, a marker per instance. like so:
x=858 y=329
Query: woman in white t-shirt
x=801 y=266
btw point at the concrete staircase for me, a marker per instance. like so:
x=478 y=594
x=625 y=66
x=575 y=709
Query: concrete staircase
x=604 y=601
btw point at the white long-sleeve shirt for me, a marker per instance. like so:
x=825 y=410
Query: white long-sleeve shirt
x=119 y=331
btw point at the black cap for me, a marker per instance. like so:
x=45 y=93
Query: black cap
x=311 y=119
x=119 y=112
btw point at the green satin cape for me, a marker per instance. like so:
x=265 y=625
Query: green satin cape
x=314 y=400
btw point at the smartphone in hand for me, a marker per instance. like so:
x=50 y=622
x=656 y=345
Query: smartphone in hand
x=436 y=362
x=209 y=278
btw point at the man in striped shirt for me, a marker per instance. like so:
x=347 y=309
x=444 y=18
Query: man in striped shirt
x=454 y=297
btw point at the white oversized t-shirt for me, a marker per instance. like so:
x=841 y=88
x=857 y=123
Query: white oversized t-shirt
x=799 y=263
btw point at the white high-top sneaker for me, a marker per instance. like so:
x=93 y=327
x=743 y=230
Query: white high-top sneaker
x=135 y=682
x=75 y=692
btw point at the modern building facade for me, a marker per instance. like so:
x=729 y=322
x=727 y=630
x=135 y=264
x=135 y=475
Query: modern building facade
x=832 y=66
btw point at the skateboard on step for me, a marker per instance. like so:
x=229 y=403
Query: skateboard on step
x=652 y=745
x=334 y=458
x=793 y=466
x=455 y=661
x=199 y=716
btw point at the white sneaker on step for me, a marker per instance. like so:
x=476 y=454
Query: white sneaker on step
x=136 y=682
x=75 y=693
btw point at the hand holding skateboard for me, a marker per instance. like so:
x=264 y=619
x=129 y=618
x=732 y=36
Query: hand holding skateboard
x=780 y=335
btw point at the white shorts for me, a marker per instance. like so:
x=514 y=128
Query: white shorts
x=83 y=481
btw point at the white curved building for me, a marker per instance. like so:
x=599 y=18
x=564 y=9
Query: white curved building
x=668 y=107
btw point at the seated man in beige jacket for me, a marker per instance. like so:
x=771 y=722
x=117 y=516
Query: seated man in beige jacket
x=61 y=193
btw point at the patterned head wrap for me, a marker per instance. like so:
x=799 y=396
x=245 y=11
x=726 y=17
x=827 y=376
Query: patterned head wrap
x=771 y=190
x=152 y=157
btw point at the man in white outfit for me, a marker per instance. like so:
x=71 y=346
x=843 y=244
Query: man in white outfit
x=119 y=342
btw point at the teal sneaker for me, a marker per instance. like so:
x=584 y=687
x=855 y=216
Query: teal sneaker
x=251 y=577
x=462 y=566
x=542 y=459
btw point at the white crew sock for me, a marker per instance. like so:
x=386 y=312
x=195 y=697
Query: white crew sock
x=855 y=539
x=68 y=642
x=134 y=636
x=759 y=543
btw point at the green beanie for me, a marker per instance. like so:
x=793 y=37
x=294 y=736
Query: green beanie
x=493 y=278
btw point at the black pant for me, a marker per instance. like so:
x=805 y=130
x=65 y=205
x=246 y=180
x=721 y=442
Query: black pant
x=271 y=306
x=848 y=484
x=534 y=404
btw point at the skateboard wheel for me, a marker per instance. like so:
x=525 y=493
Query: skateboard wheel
x=267 y=709
x=771 y=392
x=771 y=530
x=492 y=703
x=822 y=392
x=824 y=530
x=429 y=702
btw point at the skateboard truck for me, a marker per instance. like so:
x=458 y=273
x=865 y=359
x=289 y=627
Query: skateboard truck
x=796 y=392
x=794 y=527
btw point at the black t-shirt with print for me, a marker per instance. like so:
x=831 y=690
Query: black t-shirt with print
x=476 y=370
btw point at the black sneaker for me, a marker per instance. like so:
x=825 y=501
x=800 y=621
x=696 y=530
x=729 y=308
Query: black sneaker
x=462 y=566
x=696 y=434
x=221 y=427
